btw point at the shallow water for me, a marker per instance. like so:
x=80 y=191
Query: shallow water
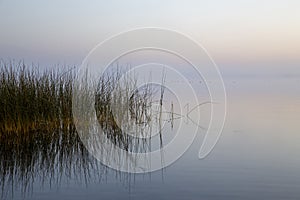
x=257 y=156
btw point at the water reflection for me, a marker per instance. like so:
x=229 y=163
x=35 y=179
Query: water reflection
x=40 y=146
x=38 y=139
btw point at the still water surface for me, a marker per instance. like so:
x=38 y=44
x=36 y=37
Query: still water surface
x=257 y=156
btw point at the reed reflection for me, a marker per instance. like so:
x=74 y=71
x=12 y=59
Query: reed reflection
x=38 y=138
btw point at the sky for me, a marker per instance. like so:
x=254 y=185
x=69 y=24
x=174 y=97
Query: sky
x=239 y=35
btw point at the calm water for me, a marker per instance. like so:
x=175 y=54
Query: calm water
x=257 y=156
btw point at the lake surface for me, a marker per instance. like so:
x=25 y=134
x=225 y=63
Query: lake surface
x=257 y=156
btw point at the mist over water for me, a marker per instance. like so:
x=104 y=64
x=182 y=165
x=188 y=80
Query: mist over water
x=255 y=46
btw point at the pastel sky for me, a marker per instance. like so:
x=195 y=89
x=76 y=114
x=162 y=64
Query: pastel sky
x=237 y=34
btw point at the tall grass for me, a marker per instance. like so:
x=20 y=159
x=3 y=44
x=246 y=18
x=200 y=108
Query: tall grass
x=31 y=99
x=34 y=100
x=37 y=133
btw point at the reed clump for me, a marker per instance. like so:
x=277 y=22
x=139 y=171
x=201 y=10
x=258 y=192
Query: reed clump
x=33 y=100
x=37 y=132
